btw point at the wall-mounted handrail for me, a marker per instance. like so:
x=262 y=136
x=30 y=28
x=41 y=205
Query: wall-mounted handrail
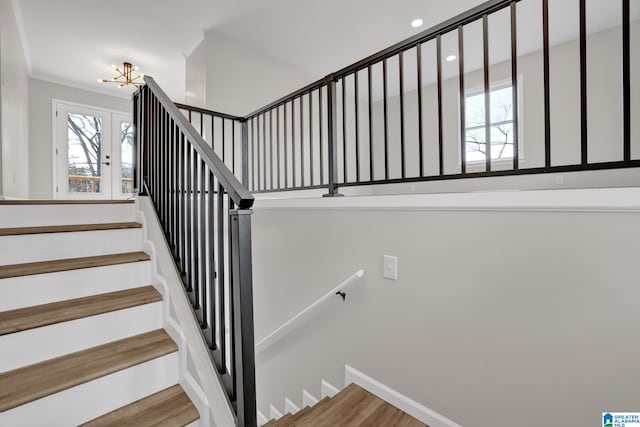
x=287 y=326
x=241 y=196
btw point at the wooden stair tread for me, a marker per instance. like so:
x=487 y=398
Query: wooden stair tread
x=16 y=231
x=42 y=267
x=388 y=415
x=170 y=407
x=353 y=407
x=291 y=421
x=307 y=412
x=62 y=311
x=66 y=202
x=29 y=383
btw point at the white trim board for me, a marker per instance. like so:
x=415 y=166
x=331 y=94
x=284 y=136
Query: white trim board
x=574 y=200
x=411 y=407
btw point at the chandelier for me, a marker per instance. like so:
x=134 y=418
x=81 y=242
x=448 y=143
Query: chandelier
x=124 y=77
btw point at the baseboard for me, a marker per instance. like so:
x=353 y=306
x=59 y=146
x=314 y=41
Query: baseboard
x=411 y=407
x=308 y=399
x=274 y=413
x=198 y=397
x=328 y=389
x=290 y=407
x=262 y=419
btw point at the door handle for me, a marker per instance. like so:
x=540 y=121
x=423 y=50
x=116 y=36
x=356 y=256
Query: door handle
x=106 y=163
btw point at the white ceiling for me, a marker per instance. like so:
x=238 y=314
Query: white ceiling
x=76 y=41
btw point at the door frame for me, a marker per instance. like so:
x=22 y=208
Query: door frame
x=55 y=102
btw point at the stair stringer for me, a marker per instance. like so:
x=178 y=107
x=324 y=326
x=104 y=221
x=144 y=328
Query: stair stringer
x=198 y=378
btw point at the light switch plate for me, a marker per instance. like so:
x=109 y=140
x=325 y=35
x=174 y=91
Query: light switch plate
x=390 y=267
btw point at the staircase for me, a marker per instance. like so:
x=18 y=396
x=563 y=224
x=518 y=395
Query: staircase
x=81 y=325
x=352 y=407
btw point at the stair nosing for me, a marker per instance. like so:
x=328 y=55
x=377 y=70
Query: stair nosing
x=68 y=264
x=68 y=228
x=22 y=319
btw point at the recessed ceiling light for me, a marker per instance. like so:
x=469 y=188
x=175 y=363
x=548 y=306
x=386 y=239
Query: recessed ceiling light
x=416 y=23
x=451 y=58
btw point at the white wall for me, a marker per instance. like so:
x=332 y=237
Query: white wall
x=14 y=98
x=499 y=318
x=41 y=94
x=196 y=76
x=238 y=79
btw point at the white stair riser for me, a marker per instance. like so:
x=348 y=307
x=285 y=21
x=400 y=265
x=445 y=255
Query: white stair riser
x=46 y=247
x=38 y=215
x=25 y=291
x=87 y=401
x=39 y=344
x=274 y=413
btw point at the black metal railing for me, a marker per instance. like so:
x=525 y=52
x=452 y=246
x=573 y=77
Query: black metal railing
x=205 y=214
x=378 y=122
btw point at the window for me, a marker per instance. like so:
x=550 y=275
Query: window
x=501 y=125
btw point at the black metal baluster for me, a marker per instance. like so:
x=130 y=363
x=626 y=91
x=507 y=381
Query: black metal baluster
x=357 y=123
x=487 y=92
x=344 y=129
x=321 y=137
x=271 y=168
x=211 y=262
x=233 y=146
x=196 y=198
x=189 y=229
x=260 y=140
x=370 y=94
x=463 y=114
x=293 y=141
x=301 y=143
x=583 y=83
x=264 y=151
x=254 y=152
x=224 y=143
x=514 y=84
x=182 y=206
x=439 y=90
x=403 y=161
x=311 y=136
x=386 y=121
x=332 y=122
x=420 y=125
x=547 y=99
x=203 y=247
x=221 y=281
x=278 y=145
x=626 y=79
x=286 y=154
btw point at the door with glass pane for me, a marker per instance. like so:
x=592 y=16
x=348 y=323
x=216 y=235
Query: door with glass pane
x=93 y=153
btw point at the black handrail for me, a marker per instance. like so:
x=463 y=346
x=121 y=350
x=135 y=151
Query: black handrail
x=238 y=193
x=195 y=197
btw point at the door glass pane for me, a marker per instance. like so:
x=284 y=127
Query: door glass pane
x=84 y=168
x=126 y=143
